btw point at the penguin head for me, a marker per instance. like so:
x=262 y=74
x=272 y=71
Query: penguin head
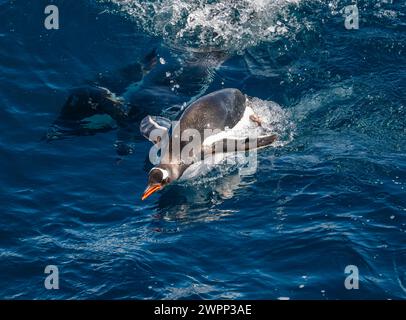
x=158 y=178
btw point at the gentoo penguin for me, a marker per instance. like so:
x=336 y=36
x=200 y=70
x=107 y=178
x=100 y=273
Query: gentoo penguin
x=217 y=117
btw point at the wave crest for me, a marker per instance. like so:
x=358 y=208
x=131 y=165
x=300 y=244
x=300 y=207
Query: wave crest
x=227 y=24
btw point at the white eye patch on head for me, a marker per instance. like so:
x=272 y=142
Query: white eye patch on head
x=165 y=173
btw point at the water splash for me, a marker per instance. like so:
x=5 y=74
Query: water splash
x=226 y=25
x=274 y=119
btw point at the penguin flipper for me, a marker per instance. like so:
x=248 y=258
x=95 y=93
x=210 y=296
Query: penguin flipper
x=154 y=128
x=241 y=144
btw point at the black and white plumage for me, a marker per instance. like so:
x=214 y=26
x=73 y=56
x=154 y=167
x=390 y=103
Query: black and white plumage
x=219 y=118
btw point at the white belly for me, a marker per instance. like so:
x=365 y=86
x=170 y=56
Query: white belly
x=238 y=131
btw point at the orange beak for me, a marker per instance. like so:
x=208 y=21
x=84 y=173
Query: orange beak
x=150 y=190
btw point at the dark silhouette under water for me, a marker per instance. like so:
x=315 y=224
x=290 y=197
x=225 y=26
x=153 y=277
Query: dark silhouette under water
x=120 y=99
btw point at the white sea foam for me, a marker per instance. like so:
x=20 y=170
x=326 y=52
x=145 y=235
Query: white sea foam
x=223 y=24
x=233 y=25
x=274 y=119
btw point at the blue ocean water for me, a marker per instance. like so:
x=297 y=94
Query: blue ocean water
x=332 y=195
